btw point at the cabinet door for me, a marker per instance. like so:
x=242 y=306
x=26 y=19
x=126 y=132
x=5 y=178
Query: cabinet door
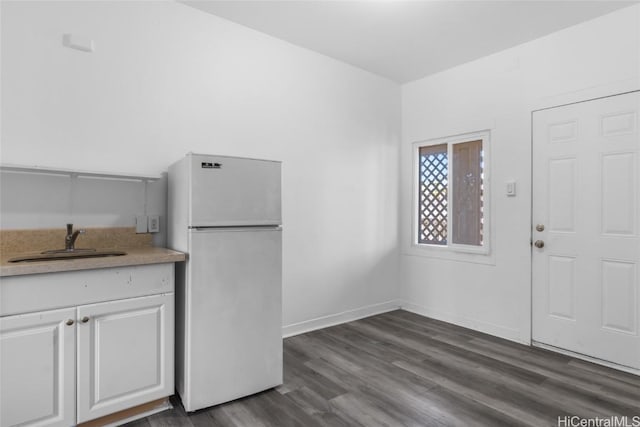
x=37 y=369
x=125 y=354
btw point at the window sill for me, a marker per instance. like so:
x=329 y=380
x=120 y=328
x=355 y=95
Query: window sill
x=452 y=253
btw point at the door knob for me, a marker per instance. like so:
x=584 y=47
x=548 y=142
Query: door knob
x=85 y=319
x=540 y=227
x=539 y=244
x=69 y=322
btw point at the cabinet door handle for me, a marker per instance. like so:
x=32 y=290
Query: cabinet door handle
x=85 y=319
x=69 y=322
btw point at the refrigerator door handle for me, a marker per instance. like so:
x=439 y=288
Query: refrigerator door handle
x=238 y=228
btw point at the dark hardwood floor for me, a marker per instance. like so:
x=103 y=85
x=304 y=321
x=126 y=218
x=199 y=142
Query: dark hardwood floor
x=401 y=369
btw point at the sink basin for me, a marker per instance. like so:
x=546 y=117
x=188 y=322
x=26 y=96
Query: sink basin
x=62 y=254
x=61 y=251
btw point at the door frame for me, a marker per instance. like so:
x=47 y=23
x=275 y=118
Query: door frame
x=533 y=343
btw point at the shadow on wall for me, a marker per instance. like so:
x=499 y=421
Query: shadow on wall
x=31 y=200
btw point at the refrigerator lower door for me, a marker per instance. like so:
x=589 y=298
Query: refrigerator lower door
x=234 y=314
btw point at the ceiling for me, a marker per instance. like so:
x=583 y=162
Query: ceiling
x=407 y=40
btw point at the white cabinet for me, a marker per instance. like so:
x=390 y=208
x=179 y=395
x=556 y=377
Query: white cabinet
x=62 y=367
x=125 y=354
x=37 y=362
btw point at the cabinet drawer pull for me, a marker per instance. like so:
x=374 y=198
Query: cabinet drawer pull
x=69 y=322
x=85 y=319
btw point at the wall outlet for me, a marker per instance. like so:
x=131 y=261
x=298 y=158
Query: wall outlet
x=154 y=223
x=141 y=223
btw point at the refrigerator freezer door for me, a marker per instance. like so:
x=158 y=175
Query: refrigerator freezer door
x=228 y=191
x=235 y=314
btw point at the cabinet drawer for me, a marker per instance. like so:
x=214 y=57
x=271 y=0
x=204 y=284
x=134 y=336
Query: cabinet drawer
x=37 y=292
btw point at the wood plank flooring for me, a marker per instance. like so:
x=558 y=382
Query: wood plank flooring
x=401 y=369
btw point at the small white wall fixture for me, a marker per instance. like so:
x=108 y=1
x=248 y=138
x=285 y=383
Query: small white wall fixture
x=77 y=42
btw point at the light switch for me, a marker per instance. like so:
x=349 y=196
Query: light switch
x=511 y=188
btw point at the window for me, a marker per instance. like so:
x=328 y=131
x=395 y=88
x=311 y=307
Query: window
x=451 y=193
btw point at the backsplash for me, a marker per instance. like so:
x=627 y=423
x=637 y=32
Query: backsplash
x=36 y=240
x=48 y=201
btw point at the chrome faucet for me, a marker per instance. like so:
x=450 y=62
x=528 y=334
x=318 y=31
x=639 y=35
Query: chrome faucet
x=70 y=238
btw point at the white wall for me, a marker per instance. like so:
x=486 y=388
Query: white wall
x=166 y=79
x=499 y=92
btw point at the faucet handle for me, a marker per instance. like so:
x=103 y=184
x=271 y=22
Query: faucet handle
x=69 y=228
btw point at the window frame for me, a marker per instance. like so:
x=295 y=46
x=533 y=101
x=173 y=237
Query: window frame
x=450 y=247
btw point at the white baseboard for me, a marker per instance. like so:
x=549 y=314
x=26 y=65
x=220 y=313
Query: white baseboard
x=338 y=318
x=372 y=310
x=465 y=322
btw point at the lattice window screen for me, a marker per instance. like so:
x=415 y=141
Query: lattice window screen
x=432 y=203
x=467 y=193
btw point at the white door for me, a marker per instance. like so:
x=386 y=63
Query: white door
x=586 y=292
x=37 y=369
x=125 y=354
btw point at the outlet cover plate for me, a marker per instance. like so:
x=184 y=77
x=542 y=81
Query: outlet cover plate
x=154 y=224
x=141 y=224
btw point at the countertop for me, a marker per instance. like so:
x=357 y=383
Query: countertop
x=134 y=256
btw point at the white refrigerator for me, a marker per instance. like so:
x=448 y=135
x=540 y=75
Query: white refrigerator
x=225 y=213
